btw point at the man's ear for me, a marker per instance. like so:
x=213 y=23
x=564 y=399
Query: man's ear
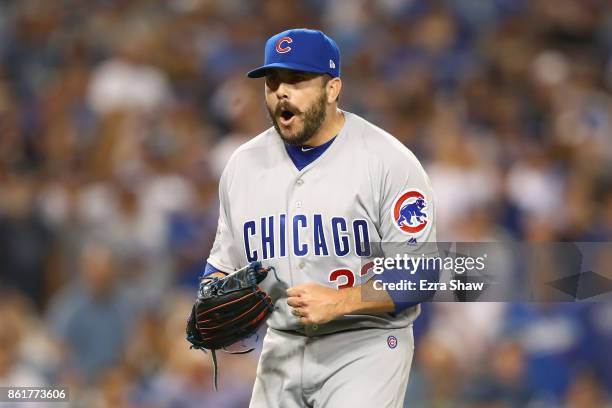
x=333 y=86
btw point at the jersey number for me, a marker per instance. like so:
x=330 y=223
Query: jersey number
x=336 y=275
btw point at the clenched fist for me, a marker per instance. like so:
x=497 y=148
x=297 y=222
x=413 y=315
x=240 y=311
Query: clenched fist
x=316 y=304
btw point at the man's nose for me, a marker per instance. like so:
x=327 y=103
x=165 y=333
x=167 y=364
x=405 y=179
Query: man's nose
x=283 y=91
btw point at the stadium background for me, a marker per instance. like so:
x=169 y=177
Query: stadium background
x=117 y=116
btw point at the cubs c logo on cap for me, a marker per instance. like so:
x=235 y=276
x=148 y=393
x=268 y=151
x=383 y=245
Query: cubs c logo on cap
x=279 y=45
x=410 y=212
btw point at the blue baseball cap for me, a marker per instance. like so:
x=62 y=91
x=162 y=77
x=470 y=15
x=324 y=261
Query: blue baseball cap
x=301 y=50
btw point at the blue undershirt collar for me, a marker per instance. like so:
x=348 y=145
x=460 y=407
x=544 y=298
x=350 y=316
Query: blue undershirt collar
x=302 y=156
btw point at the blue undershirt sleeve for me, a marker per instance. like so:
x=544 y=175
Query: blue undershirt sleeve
x=408 y=287
x=209 y=270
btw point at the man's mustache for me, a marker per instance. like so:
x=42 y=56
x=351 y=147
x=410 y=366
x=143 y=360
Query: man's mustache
x=286 y=106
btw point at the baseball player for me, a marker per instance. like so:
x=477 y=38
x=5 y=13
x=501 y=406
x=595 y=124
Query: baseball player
x=309 y=196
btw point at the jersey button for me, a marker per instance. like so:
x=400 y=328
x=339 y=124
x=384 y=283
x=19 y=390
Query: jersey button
x=298 y=204
x=301 y=265
x=299 y=182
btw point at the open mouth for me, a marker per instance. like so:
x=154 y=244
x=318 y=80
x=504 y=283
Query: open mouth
x=286 y=117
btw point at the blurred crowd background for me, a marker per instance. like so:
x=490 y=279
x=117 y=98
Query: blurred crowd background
x=117 y=117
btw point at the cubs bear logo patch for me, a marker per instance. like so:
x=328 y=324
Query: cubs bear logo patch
x=410 y=212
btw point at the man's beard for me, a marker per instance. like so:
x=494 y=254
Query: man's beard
x=313 y=118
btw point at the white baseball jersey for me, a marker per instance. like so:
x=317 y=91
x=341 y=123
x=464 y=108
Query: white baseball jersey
x=317 y=224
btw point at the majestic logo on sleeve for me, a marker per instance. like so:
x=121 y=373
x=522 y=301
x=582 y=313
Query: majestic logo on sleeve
x=279 y=45
x=410 y=212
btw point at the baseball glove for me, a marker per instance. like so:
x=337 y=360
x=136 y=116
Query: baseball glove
x=228 y=310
